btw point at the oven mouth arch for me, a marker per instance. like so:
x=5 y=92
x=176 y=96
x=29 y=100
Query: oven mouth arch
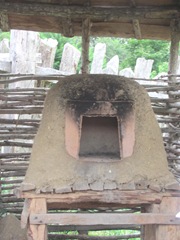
x=115 y=118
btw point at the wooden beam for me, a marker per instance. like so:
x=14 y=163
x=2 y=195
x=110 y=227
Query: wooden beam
x=55 y=228
x=25 y=213
x=167 y=206
x=67 y=27
x=133 y=3
x=137 y=29
x=37 y=232
x=4 y=22
x=85 y=237
x=85 y=45
x=174 y=49
x=110 y=219
x=91 y=12
x=115 y=196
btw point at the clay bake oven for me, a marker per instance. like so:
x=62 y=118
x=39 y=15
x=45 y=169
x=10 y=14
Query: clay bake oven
x=97 y=132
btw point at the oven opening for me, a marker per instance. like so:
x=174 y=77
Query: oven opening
x=100 y=138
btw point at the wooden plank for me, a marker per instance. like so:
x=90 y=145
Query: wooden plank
x=38 y=232
x=174 y=49
x=114 y=196
x=137 y=29
x=25 y=212
x=99 y=28
x=126 y=30
x=169 y=206
x=85 y=237
x=92 y=12
x=86 y=25
x=28 y=110
x=149 y=231
x=110 y=219
x=58 y=228
x=4 y=22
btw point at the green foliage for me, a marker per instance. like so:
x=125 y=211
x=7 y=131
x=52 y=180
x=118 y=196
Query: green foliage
x=149 y=49
x=113 y=233
x=75 y=41
x=114 y=46
x=4 y=35
x=128 y=50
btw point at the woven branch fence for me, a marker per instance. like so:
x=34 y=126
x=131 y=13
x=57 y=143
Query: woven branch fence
x=20 y=115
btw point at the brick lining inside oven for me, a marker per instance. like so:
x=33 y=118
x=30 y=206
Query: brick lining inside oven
x=103 y=131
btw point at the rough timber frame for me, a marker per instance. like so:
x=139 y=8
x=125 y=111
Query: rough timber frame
x=157 y=214
x=118 y=18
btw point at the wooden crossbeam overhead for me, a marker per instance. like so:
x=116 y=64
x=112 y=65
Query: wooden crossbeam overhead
x=91 y=12
x=116 y=18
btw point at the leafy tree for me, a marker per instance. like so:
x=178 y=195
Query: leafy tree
x=4 y=35
x=128 y=50
x=150 y=49
x=114 y=46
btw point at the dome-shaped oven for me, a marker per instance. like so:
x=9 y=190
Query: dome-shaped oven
x=97 y=132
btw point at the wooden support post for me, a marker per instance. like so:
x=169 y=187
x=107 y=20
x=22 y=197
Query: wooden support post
x=1 y=204
x=169 y=205
x=174 y=50
x=133 y=3
x=173 y=66
x=137 y=29
x=149 y=231
x=4 y=22
x=85 y=45
x=37 y=232
x=25 y=212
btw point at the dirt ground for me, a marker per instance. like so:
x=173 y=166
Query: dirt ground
x=10 y=229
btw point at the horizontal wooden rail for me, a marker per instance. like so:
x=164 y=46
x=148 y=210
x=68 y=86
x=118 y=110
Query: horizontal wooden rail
x=85 y=237
x=110 y=219
x=89 y=199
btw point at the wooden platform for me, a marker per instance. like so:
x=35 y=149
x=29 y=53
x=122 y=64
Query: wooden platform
x=159 y=216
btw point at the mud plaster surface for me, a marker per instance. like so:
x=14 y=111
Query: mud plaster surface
x=10 y=229
x=51 y=167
